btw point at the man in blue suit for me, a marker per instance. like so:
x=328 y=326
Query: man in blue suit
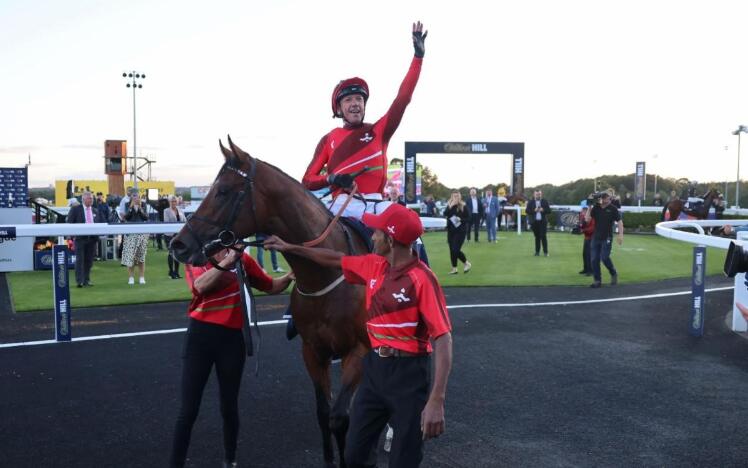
x=491 y=210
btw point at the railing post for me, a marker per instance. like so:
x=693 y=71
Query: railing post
x=61 y=287
x=698 y=300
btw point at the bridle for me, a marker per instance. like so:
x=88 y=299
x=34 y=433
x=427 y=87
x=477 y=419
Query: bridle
x=227 y=238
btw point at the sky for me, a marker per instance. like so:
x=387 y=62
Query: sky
x=590 y=87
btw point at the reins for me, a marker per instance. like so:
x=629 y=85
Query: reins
x=335 y=219
x=340 y=212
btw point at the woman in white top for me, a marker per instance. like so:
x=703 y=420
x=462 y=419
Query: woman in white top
x=173 y=214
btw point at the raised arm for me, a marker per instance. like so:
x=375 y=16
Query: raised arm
x=404 y=94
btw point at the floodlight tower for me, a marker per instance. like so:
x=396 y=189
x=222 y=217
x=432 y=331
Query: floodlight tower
x=132 y=82
x=741 y=129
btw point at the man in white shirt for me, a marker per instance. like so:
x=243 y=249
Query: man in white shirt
x=475 y=208
x=537 y=212
x=122 y=208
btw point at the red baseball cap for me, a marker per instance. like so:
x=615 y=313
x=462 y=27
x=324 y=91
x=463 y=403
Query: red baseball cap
x=397 y=221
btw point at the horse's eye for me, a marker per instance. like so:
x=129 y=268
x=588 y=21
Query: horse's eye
x=222 y=191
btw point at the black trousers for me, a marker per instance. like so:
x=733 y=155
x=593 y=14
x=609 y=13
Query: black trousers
x=474 y=226
x=539 y=230
x=455 y=239
x=170 y=260
x=395 y=390
x=587 y=256
x=85 y=251
x=207 y=345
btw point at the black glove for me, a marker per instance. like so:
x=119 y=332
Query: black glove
x=419 y=39
x=341 y=180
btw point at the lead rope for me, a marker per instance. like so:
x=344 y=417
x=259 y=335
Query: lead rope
x=250 y=315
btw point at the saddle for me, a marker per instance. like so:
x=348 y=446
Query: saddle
x=693 y=203
x=363 y=232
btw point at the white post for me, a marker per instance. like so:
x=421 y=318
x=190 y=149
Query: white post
x=519 y=219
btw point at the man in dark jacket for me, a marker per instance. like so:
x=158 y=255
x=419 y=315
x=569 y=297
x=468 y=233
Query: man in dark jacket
x=537 y=213
x=85 y=246
x=475 y=209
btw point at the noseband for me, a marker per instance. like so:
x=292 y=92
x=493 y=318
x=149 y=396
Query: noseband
x=227 y=238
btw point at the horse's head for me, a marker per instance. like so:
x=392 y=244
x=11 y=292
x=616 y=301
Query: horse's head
x=217 y=223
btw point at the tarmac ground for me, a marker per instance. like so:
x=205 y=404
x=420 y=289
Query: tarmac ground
x=614 y=383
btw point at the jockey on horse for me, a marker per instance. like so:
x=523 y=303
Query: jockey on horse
x=358 y=146
x=353 y=158
x=711 y=204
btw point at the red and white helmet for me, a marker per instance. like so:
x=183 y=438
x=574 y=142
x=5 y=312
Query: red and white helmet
x=345 y=88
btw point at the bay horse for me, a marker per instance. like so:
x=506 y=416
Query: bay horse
x=250 y=196
x=674 y=209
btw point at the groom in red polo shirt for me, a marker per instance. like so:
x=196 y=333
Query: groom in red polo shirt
x=407 y=312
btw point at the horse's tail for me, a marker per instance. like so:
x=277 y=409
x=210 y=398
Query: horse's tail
x=664 y=212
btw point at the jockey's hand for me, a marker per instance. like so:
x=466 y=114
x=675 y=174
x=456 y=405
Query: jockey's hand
x=419 y=39
x=344 y=181
x=276 y=243
x=353 y=188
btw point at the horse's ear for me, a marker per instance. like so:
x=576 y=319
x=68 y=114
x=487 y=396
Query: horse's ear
x=230 y=157
x=226 y=153
x=236 y=150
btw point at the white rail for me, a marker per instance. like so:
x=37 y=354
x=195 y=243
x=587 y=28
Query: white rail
x=94 y=229
x=669 y=230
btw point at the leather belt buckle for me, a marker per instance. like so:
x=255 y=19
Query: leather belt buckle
x=386 y=351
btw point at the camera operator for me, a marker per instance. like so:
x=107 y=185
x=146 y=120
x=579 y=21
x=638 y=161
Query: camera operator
x=604 y=214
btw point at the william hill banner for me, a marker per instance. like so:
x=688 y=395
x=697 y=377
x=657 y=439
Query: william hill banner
x=640 y=181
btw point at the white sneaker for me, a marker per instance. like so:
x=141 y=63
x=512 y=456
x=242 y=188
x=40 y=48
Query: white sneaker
x=467 y=268
x=142 y=280
x=278 y=270
x=131 y=280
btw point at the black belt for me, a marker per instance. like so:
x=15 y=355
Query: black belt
x=386 y=351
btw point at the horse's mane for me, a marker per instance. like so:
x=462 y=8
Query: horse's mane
x=295 y=183
x=235 y=157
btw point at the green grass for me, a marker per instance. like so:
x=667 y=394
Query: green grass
x=510 y=262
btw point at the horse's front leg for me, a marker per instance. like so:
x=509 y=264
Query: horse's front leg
x=339 y=418
x=319 y=371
